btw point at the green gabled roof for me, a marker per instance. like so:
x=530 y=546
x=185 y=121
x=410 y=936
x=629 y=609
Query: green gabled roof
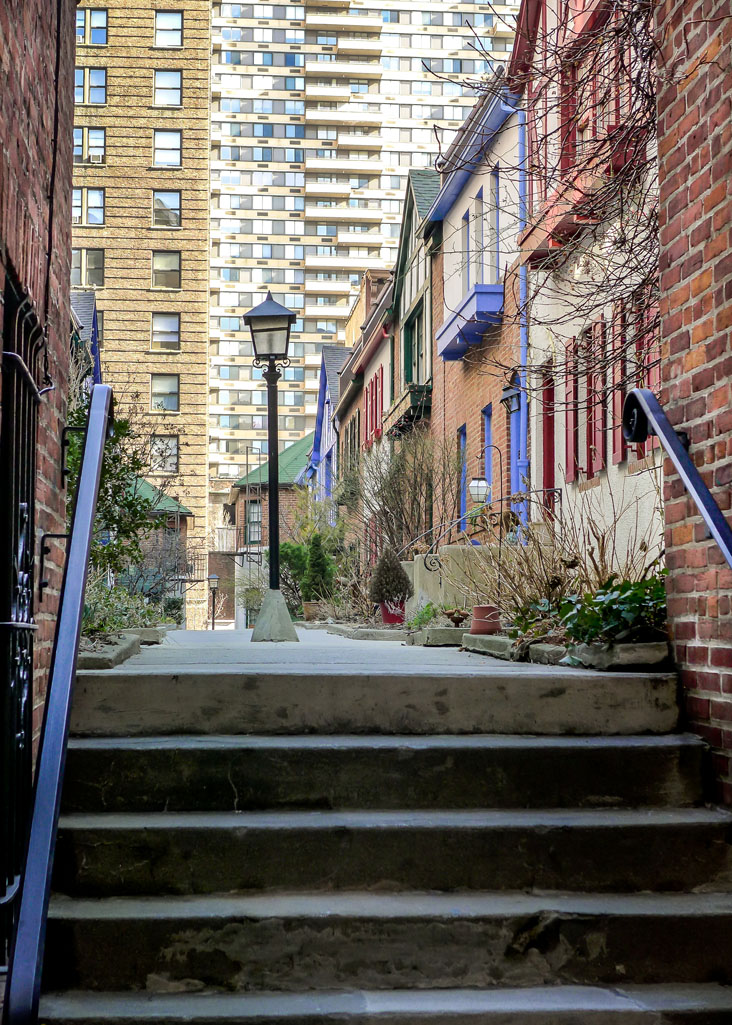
x=292 y=461
x=160 y=502
x=425 y=186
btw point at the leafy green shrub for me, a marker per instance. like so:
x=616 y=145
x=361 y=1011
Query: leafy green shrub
x=424 y=615
x=110 y=609
x=318 y=581
x=390 y=583
x=619 y=611
x=536 y=618
x=124 y=512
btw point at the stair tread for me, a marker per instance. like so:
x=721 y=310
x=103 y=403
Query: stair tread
x=529 y=1000
x=490 y=741
x=366 y=904
x=460 y=819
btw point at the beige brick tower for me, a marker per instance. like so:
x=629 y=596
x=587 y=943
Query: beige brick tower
x=141 y=230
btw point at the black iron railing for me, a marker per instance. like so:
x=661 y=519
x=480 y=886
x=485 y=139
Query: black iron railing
x=26 y=959
x=644 y=415
x=24 y=381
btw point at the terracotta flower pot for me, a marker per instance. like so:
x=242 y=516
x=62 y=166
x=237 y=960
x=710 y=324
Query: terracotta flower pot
x=310 y=610
x=392 y=613
x=485 y=620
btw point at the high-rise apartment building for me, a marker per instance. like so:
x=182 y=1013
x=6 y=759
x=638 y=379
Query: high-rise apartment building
x=141 y=232
x=319 y=109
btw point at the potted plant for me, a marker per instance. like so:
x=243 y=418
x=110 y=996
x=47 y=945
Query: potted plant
x=485 y=620
x=318 y=580
x=390 y=587
x=621 y=624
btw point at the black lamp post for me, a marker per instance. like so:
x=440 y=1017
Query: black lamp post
x=213 y=583
x=270 y=324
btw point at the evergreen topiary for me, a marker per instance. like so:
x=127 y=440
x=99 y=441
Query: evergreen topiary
x=318 y=580
x=390 y=583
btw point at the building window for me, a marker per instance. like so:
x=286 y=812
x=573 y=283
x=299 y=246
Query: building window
x=167 y=149
x=168 y=88
x=479 y=233
x=89 y=145
x=87 y=206
x=165 y=336
x=168 y=28
x=164 y=453
x=91 y=27
x=165 y=269
x=164 y=393
x=87 y=267
x=465 y=237
x=462 y=440
x=90 y=85
x=166 y=209
x=254 y=523
x=100 y=328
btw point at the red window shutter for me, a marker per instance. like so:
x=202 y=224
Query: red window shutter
x=571 y=438
x=547 y=441
x=620 y=449
x=381 y=394
x=568 y=115
x=596 y=402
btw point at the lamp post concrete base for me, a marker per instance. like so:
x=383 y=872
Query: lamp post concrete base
x=273 y=622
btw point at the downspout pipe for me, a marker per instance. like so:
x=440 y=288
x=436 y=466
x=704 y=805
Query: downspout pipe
x=523 y=456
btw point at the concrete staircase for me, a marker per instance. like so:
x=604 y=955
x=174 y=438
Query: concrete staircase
x=506 y=846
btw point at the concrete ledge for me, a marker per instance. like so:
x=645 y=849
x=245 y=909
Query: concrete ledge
x=437 y=637
x=149 y=634
x=116 y=648
x=496 y=645
x=365 y=633
x=547 y=654
x=621 y=656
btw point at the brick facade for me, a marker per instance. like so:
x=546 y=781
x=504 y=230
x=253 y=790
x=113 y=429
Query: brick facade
x=463 y=389
x=36 y=120
x=695 y=166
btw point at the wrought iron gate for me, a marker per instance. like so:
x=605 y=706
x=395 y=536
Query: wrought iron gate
x=23 y=345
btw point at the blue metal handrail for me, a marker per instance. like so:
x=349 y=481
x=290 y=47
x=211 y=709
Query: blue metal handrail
x=26 y=960
x=643 y=415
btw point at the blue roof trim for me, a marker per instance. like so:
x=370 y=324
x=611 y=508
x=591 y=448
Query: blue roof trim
x=495 y=116
x=478 y=310
x=322 y=395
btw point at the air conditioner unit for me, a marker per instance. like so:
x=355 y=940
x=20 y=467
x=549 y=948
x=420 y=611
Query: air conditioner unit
x=76 y=218
x=96 y=158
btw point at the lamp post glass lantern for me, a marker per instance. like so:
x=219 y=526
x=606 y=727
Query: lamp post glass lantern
x=480 y=490
x=213 y=583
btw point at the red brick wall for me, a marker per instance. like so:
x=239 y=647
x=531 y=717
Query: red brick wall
x=695 y=165
x=288 y=506
x=28 y=38
x=462 y=388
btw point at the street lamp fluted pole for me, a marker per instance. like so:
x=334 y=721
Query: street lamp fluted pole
x=272 y=375
x=270 y=324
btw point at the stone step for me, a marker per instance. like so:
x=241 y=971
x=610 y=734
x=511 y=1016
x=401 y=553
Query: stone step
x=196 y=852
x=300 y=942
x=529 y=700
x=251 y=773
x=546 y=1005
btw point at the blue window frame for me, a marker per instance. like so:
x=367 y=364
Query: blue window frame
x=462 y=439
x=466 y=251
x=488 y=447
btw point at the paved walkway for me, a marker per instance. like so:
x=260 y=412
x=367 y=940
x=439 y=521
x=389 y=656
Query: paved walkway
x=233 y=649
